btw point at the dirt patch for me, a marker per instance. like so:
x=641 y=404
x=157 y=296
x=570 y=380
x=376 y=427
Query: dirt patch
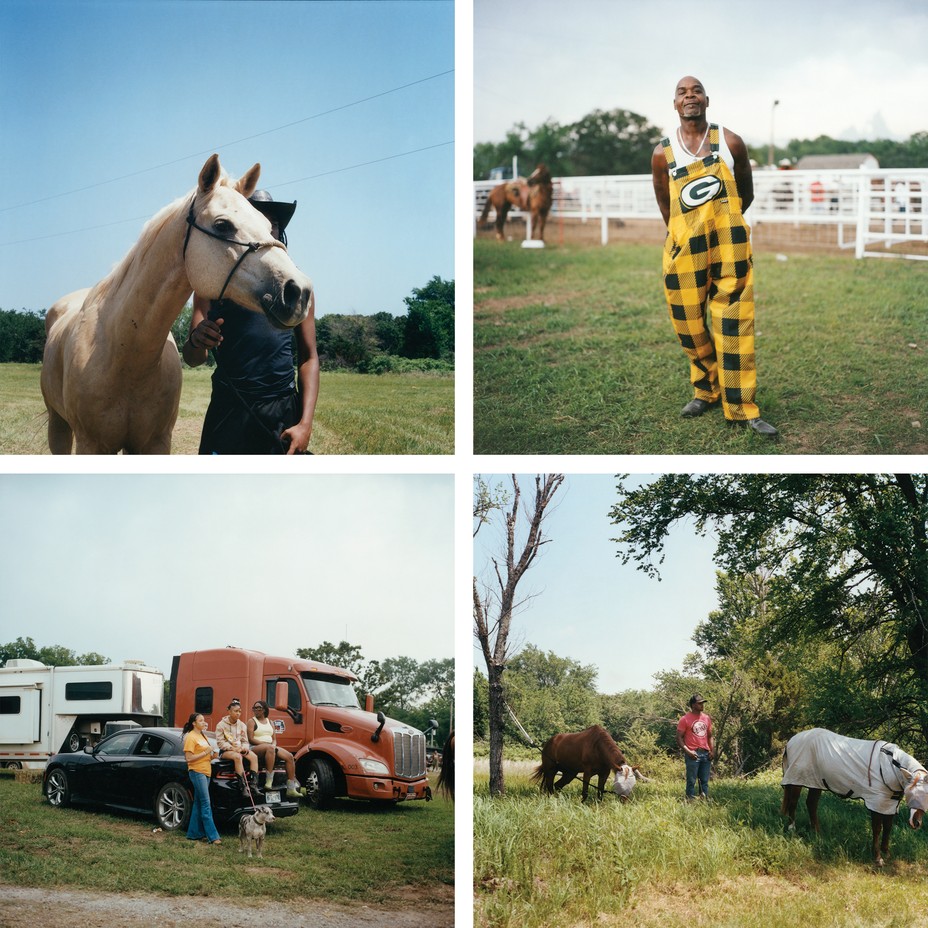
x=73 y=908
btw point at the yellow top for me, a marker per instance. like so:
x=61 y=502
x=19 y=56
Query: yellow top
x=264 y=732
x=195 y=742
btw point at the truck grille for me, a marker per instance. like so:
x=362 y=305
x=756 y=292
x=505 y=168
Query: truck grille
x=409 y=754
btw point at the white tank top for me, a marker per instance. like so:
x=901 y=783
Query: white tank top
x=683 y=157
x=264 y=732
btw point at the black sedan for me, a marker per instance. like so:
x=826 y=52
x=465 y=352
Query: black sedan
x=144 y=770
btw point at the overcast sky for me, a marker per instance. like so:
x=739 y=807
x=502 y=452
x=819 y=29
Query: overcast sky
x=109 y=109
x=144 y=567
x=844 y=68
x=584 y=605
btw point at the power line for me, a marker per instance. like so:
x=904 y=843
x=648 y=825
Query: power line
x=208 y=151
x=299 y=180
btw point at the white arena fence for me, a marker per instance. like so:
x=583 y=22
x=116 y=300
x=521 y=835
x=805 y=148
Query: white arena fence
x=877 y=207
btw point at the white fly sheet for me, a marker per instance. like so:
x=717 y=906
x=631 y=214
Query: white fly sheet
x=849 y=767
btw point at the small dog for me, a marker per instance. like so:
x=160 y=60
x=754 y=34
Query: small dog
x=253 y=828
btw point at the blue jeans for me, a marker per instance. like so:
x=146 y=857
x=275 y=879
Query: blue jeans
x=201 y=816
x=697 y=768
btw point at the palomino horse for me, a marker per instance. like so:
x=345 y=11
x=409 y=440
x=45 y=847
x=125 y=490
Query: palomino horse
x=111 y=375
x=591 y=752
x=878 y=772
x=533 y=195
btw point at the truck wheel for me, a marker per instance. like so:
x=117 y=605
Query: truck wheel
x=57 y=788
x=320 y=784
x=75 y=742
x=173 y=806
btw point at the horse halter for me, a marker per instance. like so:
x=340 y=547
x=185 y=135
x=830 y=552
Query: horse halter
x=249 y=247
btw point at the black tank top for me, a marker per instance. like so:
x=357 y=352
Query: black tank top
x=254 y=357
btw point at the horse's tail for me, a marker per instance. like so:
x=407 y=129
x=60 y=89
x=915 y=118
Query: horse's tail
x=486 y=209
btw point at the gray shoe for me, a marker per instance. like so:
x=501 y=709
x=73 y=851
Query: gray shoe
x=696 y=408
x=762 y=428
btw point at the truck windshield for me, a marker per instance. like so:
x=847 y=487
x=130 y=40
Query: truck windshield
x=325 y=690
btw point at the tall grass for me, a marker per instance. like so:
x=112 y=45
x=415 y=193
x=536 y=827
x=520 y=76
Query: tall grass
x=545 y=861
x=574 y=353
x=356 y=413
x=352 y=853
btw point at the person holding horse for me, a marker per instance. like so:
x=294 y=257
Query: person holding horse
x=263 y=743
x=255 y=406
x=703 y=185
x=694 y=738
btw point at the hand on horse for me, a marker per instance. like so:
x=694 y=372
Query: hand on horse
x=207 y=334
x=298 y=437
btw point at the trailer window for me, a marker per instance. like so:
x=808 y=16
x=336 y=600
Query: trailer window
x=328 y=690
x=97 y=689
x=10 y=705
x=203 y=700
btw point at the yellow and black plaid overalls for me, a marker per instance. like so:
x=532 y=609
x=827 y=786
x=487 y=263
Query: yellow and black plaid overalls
x=709 y=271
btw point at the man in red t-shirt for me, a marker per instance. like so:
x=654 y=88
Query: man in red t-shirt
x=694 y=738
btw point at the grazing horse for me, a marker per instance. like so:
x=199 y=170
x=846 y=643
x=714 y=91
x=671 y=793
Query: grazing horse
x=878 y=772
x=591 y=752
x=533 y=195
x=446 y=777
x=111 y=374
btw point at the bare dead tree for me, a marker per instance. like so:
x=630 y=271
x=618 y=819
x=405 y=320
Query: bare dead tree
x=493 y=612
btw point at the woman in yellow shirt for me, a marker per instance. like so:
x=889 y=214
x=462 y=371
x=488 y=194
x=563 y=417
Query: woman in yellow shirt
x=199 y=753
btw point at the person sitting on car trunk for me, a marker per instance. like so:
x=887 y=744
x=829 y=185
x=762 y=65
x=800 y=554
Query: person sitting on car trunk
x=232 y=738
x=264 y=743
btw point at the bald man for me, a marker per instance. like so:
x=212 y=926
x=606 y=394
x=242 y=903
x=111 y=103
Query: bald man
x=703 y=184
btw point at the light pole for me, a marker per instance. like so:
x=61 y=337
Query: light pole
x=773 y=109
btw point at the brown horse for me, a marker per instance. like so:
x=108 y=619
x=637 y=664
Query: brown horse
x=591 y=752
x=540 y=198
x=533 y=195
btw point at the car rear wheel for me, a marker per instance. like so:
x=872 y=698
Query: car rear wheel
x=173 y=805
x=320 y=784
x=57 y=789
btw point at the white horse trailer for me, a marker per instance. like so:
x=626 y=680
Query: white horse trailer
x=47 y=710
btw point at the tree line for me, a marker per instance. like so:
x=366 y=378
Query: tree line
x=822 y=618
x=619 y=141
x=413 y=692
x=420 y=340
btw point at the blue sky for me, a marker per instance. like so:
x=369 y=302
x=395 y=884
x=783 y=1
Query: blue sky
x=139 y=566
x=586 y=606
x=95 y=90
x=844 y=68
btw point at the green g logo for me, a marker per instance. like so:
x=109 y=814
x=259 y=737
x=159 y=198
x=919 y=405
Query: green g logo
x=700 y=190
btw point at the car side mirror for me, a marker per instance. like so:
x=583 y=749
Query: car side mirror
x=88 y=749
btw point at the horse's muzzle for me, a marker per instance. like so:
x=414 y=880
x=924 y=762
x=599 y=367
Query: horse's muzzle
x=289 y=307
x=915 y=818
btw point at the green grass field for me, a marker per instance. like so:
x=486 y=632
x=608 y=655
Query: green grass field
x=657 y=862
x=574 y=353
x=356 y=414
x=354 y=853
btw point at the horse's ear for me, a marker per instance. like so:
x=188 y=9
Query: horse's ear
x=210 y=174
x=248 y=182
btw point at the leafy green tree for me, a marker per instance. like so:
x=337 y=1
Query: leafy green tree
x=22 y=336
x=430 y=321
x=51 y=655
x=845 y=554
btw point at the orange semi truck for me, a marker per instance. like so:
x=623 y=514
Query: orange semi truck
x=341 y=749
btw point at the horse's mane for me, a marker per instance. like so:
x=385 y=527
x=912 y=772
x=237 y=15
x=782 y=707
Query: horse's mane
x=150 y=233
x=605 y=740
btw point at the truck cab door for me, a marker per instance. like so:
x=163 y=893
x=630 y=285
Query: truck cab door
x=289 y=726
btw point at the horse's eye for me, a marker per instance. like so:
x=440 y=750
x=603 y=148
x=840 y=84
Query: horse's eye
x=223 y=227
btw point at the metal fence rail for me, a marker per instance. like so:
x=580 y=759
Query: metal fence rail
x=883 y=206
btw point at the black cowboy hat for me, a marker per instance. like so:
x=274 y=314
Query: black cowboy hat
x=696 y=697
x=276 y=211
